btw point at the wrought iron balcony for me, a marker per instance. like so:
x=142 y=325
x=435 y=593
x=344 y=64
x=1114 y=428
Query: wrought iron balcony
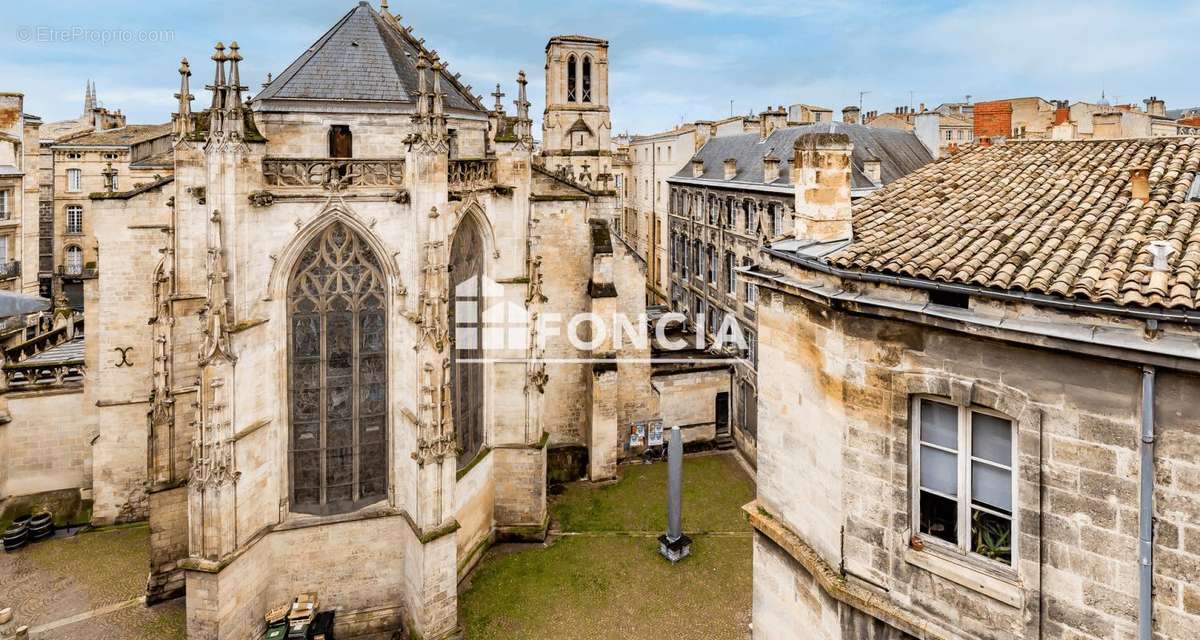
x=10 y=269
x=323 y=172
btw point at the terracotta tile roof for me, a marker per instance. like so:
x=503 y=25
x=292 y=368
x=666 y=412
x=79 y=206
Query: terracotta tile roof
x=1050 y=217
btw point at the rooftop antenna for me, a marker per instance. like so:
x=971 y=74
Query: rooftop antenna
x=860 y=99
x=731 y=108
x=968 y=98
x=910 y=99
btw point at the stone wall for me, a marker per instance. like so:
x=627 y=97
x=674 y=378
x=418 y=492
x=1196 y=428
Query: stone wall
x=688 y=400
x=834 y=455
x=45 y=445
x=354 y=567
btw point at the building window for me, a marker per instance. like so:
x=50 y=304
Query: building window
x=74 y=218
x=698 y=253
x=337 y=359
x=776 y=217
x=466 y=364
x=74 y=264
x=4 y=240
x=587 y=79
x=74 y=180
x=751 y=291
x=686 y=264
x=572 y=71
x=5 y=204
x=713 y=265
x=729 y=217
x=964 y=482
x=730 y=275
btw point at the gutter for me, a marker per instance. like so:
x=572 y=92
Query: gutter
x=1146 y=510
x=1165 y=315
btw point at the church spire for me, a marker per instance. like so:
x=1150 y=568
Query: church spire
x=216 y=112
x=89 y=98
x=218 y=85
x=234 y=97
x=183 y=117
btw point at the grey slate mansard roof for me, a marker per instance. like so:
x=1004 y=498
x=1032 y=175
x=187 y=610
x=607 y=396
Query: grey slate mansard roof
x=899 y=152
x=364 y=57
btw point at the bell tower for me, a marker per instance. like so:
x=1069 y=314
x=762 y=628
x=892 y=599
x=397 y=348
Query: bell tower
x=576 y=127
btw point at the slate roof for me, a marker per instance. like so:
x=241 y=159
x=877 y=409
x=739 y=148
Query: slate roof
x=899 y=152
x=119 y=137
x=1049 y=217
x=71 y=351
x=365 y=57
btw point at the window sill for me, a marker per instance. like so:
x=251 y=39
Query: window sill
x=964 y=572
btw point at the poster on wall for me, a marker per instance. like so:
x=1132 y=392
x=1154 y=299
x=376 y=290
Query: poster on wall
x=637 y=432
x=656 y=433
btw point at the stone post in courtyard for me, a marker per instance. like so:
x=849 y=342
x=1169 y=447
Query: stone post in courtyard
x=675 y=546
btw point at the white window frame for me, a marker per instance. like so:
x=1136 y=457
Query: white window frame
x=67 y=211
x=74 y=180
x=5 y=244
x=6 y=200
x=963 y=500
x=73 y=267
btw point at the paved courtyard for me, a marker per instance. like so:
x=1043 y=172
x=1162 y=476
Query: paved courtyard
x=601 y=577
x=86 y=587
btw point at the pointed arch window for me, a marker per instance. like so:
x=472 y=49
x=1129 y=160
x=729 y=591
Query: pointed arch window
x=466 y=368
x=572 y=75
x=587 y=79
x=337 y=374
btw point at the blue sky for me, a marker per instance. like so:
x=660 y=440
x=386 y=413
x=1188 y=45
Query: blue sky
x=670 y=60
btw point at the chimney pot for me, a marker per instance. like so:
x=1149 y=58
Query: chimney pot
x=850 y=114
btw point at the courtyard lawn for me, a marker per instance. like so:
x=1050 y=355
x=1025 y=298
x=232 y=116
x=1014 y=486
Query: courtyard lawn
x=602 y=577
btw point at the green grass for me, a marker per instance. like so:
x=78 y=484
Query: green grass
x=600 y=585
x=714 y=490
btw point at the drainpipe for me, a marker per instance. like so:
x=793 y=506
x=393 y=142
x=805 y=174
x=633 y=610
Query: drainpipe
x=1146 y=511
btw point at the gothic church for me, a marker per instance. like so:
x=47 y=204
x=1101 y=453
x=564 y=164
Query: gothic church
x=314 y=415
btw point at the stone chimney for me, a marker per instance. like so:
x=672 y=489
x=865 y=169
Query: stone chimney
x=1156 y=107
x=1106 y=126
x=821 y=172
x=697 y=167
x=770 y=120
x=770 y=168
x=850 y=114
x=1139 y=183
x=873 y=169
x=1062 y=112
x=730 y=169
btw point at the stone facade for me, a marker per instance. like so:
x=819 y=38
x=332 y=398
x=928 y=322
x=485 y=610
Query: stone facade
x=849 y=542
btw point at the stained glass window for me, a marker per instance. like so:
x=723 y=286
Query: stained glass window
x=466 y=372
x=338 y=375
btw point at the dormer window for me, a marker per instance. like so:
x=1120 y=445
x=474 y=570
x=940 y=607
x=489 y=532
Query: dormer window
x=572 y=77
